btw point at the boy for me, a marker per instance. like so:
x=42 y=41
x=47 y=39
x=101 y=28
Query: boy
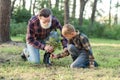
x=78 y=47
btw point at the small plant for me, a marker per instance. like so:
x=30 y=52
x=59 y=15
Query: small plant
x=55 y=42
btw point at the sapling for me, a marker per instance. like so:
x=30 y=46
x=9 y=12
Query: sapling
x=55 y=42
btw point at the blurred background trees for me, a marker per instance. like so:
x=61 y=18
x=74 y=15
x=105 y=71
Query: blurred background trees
x=5 y=8
x=86 y=15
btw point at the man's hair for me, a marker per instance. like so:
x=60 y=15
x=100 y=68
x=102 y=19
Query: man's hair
x=45 y=12
x=68 y=28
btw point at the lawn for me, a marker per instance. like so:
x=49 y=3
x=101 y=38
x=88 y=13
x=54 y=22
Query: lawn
x=106 y=52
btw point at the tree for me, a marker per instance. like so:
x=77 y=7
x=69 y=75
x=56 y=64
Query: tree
x=117 y=5
x=57 y=4
x=24 y=3
x=49 y=5
x=66 y=11
x=74 y=8
x=110 y=13
x=82 y=7
x=93 y=13
x=12 y=6
x=34 y=7
x=30 y=8
x=5 y=8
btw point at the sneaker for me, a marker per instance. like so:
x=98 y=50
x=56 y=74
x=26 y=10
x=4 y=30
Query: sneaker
x=48 y=65
x=46 y=58
x=23 y=56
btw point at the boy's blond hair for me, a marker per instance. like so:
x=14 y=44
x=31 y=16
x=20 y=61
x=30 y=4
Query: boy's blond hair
x=67 y=29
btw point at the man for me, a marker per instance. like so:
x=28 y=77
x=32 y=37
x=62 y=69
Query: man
x=40 y=27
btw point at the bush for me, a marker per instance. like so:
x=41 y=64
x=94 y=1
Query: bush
x=112 y=32
x=98 y=30
x=18 y=28
x=59 y=14
x=21 y=15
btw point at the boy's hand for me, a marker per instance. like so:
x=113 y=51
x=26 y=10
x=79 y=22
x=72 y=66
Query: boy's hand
x=53 y=56
x=65 y=49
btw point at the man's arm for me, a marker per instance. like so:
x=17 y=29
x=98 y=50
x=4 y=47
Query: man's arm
x=57 y=25
x=30 y=37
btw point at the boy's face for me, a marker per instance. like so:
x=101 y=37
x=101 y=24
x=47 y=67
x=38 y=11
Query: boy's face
x=68 y=36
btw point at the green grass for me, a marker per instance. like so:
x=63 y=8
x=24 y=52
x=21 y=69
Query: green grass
x=107 y=55
x=101 y=40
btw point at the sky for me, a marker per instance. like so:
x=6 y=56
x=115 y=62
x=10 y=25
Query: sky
x=104 y=6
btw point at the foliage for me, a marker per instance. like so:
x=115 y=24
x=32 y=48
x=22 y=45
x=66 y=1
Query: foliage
x=112 y=32
x=59 y=14
x=21 y=15
x=55 y=42
x=17 y=28
x=97 y=30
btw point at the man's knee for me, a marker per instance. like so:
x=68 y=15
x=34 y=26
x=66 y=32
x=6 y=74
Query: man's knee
x=36 y=61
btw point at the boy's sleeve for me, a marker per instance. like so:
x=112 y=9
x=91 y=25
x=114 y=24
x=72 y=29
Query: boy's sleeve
x=63 y=54
x=86 y=44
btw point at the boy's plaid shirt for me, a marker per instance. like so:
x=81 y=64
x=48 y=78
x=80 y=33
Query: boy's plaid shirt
x=35 y=32
x=81 y=42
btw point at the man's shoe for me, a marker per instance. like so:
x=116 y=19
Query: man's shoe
x=48 y=65
x=23 y=56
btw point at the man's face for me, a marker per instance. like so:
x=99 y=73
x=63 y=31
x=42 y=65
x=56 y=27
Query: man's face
x=45 y=22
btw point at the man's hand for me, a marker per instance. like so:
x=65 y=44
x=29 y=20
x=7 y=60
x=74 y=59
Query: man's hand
x=49 y=48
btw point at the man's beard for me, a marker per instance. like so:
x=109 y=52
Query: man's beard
x=46 y=26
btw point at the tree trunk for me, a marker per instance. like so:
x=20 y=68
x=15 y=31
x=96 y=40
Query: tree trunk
x=110 y=13
x=24 y=3
x=93 y=13
x=61 y=5
x=5 y=8
x=12 y=6
x=30 y=6
x=66 y=11
x=57 y=4
x=82 y=6
x=74 y=8
x=116 y=15
x=50 y=5
x=34 y=7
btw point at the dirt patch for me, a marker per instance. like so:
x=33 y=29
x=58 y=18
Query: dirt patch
x=12 y=43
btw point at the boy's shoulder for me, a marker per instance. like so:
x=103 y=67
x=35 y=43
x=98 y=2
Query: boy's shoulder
x=83 y=36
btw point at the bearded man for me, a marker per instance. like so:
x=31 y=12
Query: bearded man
x=40 y=28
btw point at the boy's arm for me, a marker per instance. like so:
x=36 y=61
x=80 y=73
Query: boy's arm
x=86 y=44
x=63 y=54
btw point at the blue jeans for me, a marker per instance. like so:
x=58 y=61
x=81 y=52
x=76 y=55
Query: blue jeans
x=80 y=57
x=32 y=53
